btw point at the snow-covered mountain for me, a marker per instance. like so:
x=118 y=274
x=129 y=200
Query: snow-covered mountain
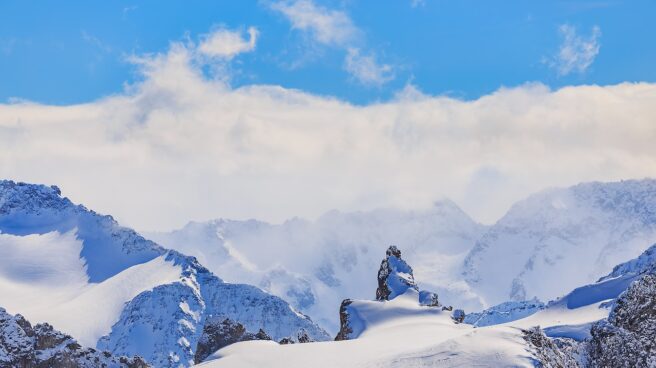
x=609 y=321
x=558 y=239
x=107 y=286
x=316 y=264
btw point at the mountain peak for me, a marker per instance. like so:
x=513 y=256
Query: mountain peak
x=394 y=276
x=24 y=197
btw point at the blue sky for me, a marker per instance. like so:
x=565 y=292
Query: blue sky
x=77 y=51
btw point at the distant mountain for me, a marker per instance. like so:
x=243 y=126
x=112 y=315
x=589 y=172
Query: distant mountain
x=558 y=239
x=316 y=264
x=107 y=286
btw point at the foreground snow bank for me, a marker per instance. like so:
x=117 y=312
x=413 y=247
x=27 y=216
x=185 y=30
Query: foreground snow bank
x=395 y=333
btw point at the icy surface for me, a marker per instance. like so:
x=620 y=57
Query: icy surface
x=504 y=312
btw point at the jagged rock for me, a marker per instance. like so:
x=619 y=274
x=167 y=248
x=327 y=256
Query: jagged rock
x=394 y=276
x=286 y=341
x=628 y=337
x=428 y=299
x=447 y=308
x=220 y=332
x=303 y=337
x=41 y=346
x=458 y=315
x=547 y=351
x=344 y=326
x=261 y=335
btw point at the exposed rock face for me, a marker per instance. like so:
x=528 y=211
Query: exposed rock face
x=41 y=346
x=345 y=328
x=218 y=333
x=221 y=332
x=394 y=276
x=303 y=337
x=550 y=352
x=628 y=338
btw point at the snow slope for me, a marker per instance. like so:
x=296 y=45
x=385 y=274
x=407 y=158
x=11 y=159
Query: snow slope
x=109 y=287
x=396 y=333
x=574 y=235
x=315 y=265
x=401 y=333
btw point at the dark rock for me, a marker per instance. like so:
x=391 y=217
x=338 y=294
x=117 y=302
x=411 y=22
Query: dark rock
x=394 y=276
x=303 y=337
x=628 y=337
x=458 y=315
x=261 y=335
x=41 y=346
x=548 y=352
x=344 y=328
x=220 y=332
x=286 y=341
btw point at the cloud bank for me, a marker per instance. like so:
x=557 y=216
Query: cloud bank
x=180 y=146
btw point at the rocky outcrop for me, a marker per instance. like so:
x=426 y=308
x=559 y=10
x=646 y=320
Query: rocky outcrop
x=345 y=328
x=221 y=332
x=628 y=337
x=394 y=276
x=458 y=315
x=550 y=352
x=25 y=346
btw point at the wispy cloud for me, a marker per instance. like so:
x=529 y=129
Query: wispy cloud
x=327 y=26
x=226 y=44
x=335 y=28
x=576 y=52
x=366 y=69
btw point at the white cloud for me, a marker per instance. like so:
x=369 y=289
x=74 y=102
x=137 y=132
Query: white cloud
x=224 y=43
x=577 y=52
x=178 y=146
x=366 y=69
x=335 y=28
x=327 y=26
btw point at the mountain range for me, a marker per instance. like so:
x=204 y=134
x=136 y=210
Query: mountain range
x=574 y=235
x=103 y=291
